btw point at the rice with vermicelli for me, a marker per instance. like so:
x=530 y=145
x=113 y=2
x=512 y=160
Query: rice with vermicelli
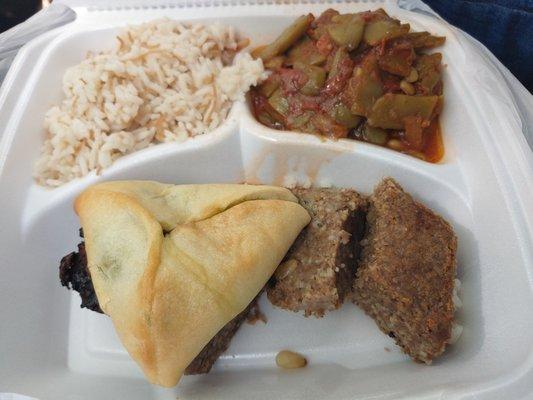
x=165 y=82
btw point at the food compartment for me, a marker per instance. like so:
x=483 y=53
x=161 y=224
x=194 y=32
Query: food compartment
x=162 y=82
x=289 y=158
x=155 y=162
x=365 y=76
x=455 y=125
x=342 y=343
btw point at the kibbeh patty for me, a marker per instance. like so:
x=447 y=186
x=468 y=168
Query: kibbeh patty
x=319 y=269
x=405 y=279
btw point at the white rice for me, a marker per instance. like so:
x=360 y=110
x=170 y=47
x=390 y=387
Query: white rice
x=165 y=82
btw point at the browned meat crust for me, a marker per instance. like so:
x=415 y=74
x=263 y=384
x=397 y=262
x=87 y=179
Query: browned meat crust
x=74 y=274
x=220 y=343
x=320 y=266
x=406 y=275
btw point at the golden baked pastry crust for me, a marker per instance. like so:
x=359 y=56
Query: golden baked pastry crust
x=169 y=293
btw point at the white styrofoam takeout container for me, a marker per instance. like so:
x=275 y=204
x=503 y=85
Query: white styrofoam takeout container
x=52 y=349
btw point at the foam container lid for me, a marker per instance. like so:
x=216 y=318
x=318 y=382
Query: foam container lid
x=52 y=349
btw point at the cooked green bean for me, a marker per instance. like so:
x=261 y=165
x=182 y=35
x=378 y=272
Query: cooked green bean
x=269 y=86
x=347 y=30
x=384 y=29
x=364 y=87
x=339 y=58
x=321 y=24
x=279 y=102
x=287 y=38
x=424 y=40
x=305 y=51
x=375 y=135
x=275 y=62
x=316 y=76
x=390 y=110
x=341 y=54
x=328 y=127
x=266 y=119
x=428 y=68
x=344 y=116
x=398 y=59
x=301 y=121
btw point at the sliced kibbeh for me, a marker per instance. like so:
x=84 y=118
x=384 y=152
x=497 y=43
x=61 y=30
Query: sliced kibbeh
x=405 y=279
x=319 y=269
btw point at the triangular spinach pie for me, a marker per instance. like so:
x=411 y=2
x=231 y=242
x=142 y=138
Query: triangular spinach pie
x=173 y=265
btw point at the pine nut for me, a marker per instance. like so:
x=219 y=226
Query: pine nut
x=395 y=144
x=288 y=360
x=407 y=87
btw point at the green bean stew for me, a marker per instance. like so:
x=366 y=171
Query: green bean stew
x=361 y=76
